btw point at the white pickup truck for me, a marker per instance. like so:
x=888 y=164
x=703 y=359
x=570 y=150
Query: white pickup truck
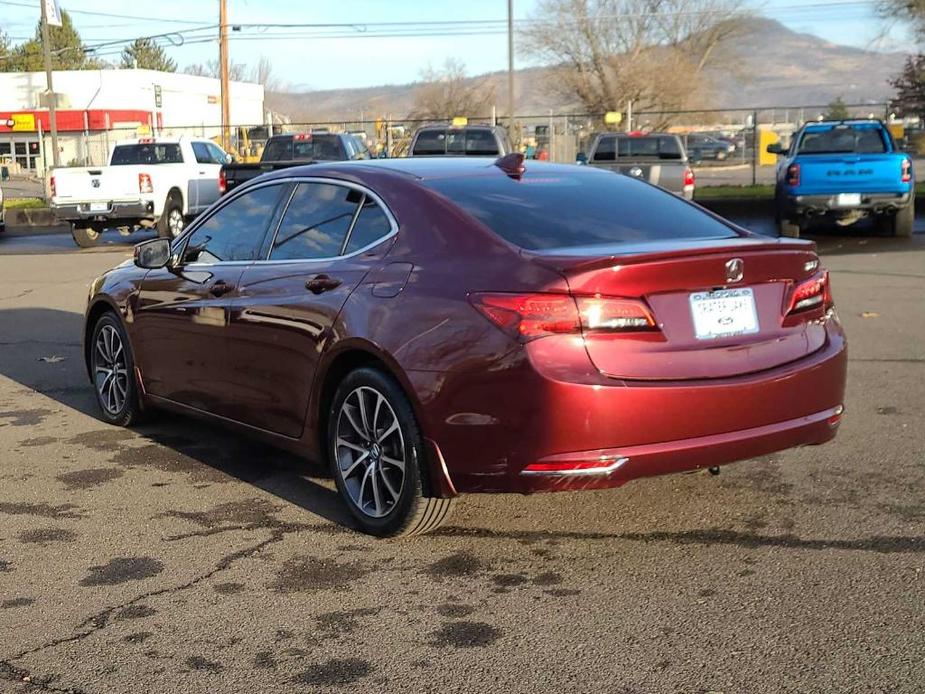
x=150 y=182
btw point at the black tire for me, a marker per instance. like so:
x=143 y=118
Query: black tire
x=904 y=220
x=118 y=412
x=412 y=512
x=171 y=223
x=85 y=235
x=789 y=228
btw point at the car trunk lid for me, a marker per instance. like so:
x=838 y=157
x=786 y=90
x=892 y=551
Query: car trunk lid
x=689 y=289
x=822 y=174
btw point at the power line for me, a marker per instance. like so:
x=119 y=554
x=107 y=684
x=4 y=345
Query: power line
x=91 y=13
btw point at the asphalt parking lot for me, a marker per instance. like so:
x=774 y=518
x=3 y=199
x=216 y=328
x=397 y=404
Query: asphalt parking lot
x=177 y=557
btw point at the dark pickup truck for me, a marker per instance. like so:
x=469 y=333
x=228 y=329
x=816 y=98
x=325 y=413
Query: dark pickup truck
x=294 y=149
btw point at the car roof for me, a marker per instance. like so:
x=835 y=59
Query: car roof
x=853 y=122
x=424 y=168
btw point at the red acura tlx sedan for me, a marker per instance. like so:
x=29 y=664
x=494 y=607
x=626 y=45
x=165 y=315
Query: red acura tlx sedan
x=442 y=326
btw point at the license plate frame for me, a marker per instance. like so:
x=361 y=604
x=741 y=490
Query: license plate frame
x=848 y=200
x=723 y=313
x=99 y=207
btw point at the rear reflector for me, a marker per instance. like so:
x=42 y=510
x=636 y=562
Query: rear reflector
x=906 y=171
x=599 y=466
x=222 y=182
x=529 y=316
x=835 y=419
x=689 y=179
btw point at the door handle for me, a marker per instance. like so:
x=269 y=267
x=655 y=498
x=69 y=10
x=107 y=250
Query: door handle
x=219 y=288
x=322 y=283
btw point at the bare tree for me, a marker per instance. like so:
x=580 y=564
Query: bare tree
x=262 y=73
x=651 y=52
x=236 y=71
x=448 y=92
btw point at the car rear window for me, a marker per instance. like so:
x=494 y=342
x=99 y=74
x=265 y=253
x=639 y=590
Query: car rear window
x=473 y=142
x=315 y=147
x=149 y=153
x=843 y=138
x=618 y=147
x=575 y=209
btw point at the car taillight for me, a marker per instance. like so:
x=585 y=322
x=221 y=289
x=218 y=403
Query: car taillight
x=793 y=175
x=812 y=293
x=54 y=188
x=906 y=171
x=529 y=316
x=222 y=182
x=144 y=183
x=689 y=177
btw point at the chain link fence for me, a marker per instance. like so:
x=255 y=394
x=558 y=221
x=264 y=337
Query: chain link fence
x=720 y=139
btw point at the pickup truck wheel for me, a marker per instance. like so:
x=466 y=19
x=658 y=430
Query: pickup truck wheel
x=720 y=156
x=171 y=222
x=788 y=228
x=903 y=220
x=85 y=236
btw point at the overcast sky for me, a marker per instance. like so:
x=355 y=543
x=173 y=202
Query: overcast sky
x=354 y=62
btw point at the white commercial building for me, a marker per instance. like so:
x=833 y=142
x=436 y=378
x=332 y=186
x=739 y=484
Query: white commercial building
x=97 y=107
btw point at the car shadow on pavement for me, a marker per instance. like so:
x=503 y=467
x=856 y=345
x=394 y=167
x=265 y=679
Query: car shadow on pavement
x=41 y=350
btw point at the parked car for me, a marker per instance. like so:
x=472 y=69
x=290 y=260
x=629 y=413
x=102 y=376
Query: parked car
x=467 y=140
x=844 y=171
x=150 y=182
x=294 y=149
x=701 y=146
x=658 y=158
x=432 y=327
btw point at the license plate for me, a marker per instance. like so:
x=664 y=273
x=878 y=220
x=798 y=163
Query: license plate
x=848 y=199
x=99 y=206
x=724 y=313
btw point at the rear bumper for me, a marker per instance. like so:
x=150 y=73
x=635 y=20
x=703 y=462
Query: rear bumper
x=808 y=205
x=124 y=210
x=547 y=405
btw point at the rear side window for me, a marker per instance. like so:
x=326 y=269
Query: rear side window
x=575 y=209
x=371 y=225
x=841 y=139
x=236 y=230
x=430 y=142
x=153 y=153
x=316 y=222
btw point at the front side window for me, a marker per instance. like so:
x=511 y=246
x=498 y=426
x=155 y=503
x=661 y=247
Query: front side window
x=236 y=231
x=316 y=222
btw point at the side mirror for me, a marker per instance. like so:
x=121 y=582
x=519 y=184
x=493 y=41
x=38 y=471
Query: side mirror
x=775 y=148
x=581 y=158
x=152 y=254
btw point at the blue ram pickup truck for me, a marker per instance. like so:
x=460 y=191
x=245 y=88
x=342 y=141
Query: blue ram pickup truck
x=844 y=171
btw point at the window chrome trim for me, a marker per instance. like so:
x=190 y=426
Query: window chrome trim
x=393 y=223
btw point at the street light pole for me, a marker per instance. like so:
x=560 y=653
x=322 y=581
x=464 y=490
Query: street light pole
x=510 y=64
x=223 y=70
x=50 y=89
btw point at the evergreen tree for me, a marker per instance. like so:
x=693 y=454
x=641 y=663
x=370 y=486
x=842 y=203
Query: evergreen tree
x=910 y=87
x=67 y=51
x=147 y=55
x=837 y=110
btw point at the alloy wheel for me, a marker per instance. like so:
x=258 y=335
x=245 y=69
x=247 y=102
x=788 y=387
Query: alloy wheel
x=110 y=371
x=175 y=222
x=370 y=452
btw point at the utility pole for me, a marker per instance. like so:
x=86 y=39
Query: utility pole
x=510 y=65
x=223 y=70
x=50 y=89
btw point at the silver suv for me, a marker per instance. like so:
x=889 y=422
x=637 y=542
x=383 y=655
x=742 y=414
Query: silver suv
x=659 y=158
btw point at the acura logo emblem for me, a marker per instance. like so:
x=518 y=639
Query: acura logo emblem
x=735 y=270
